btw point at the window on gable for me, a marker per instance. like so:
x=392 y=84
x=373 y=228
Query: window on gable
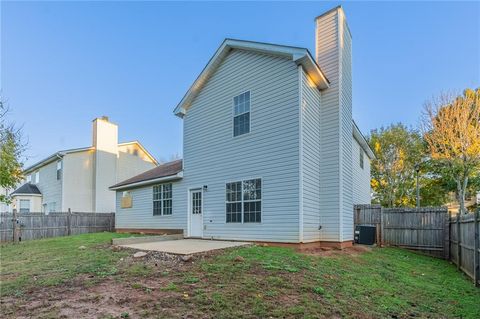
x=241 y=114
x=37 y=177
x=361 y=158
x=59 y=170
x=244 y=201
x=162 y=199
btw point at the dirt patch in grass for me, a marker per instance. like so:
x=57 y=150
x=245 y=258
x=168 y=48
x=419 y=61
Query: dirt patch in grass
x=329 y=252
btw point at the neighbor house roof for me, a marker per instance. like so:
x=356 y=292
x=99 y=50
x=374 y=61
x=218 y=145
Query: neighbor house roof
x=357 y=134
x=165 y=172
x=300 y=56
x=27 y=189
x=60 y=154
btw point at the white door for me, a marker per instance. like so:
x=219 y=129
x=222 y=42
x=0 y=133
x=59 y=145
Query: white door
x=196 y=210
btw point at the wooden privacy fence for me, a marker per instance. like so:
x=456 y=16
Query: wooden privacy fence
x=429 y=230
x=465 y=244
x=21 y=226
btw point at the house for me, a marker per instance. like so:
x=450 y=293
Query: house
x=271 y=153
x=79 y=179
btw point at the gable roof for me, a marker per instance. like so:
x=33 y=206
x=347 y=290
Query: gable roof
x=165 y=172
x=300 y=56
x=357 y=134
x=60 y=154
x=27 y=189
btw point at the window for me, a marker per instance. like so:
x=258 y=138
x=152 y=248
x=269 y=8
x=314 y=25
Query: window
x=29 y=178
x=24 y=206
x=59 y=170
x=244 y=201
x=241 y=114
x=52 y=207
x=162 y=199
x=361 y=158
x=37 y=177
x=126 y=201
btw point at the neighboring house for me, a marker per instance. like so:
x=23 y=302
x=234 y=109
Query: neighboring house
x=79 y=179
x=271 y=153
x=4 y=207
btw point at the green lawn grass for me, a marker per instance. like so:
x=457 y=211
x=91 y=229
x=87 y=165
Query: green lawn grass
x=51 y=261
x=265 y=282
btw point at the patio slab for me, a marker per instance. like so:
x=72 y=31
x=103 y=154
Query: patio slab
x=186 y=246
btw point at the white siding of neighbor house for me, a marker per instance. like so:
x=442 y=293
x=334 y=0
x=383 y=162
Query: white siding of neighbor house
x=361 y=177
x=140 y=215
x=213 y=157
x=311 y=99
x=333 y=54
x=129 y=164
x=49 y=186
x=77 y=178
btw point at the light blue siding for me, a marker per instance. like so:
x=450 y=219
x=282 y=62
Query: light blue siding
x=140 y=215
x=361 y=176
x=213 y=157
x=311 y=99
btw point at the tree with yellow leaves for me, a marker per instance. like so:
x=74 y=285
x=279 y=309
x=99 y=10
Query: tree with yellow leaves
x=451 y=127
x=398 y=149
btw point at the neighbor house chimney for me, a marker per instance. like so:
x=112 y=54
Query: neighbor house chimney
x=333 y=52
x=105 y=143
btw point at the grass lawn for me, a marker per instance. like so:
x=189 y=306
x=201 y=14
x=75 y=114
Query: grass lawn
x=55 y=278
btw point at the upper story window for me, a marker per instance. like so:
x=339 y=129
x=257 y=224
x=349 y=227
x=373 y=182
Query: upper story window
x=37 y=177
x=361 y=158
x=29 y=178
x=162 y=199
x=241 y=114
x=244 y=201
x=59 y=170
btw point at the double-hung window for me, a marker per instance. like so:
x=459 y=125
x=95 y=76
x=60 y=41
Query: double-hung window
x=162 y=199
x=244 y=201
x=241 y=114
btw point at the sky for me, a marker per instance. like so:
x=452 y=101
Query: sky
x=65 y=63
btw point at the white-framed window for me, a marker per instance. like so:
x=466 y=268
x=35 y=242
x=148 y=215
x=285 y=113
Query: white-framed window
x=162 y=199
x=241 y=114
x=59 y=170
x=37 y=177
x=24 y=206
x=244 y=201
x=52 y=207
x=361 y=158
x=29 y=178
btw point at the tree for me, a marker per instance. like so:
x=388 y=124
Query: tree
x=397 y=149
x=11 y=151
x=451 y=128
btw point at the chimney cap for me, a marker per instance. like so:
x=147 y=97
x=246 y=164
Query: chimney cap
x=103 y=118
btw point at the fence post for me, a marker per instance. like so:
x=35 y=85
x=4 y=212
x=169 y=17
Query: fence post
x=69 y=222
x=446 y=242
x=458 y=241
x=476 y=252
x=15 y=226
x=381 y=227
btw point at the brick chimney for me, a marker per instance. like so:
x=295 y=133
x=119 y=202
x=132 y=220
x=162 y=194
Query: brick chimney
x=333 y=52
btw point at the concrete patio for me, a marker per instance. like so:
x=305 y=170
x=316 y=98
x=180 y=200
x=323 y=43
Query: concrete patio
x=185 y=246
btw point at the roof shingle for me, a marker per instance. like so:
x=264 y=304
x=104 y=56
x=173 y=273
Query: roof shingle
x=164 y=170
x=27 y=189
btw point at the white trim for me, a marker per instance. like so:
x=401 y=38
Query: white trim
x=249 y=118
x=340 y=123
x=362 y=141
x=241 y=180
x=175 y=177
x=300 y=160
x=189 y=219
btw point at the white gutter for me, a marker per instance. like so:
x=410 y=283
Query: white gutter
x=177 y=176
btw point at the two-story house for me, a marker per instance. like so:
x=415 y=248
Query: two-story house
x=79 y=179
x=271 y=153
